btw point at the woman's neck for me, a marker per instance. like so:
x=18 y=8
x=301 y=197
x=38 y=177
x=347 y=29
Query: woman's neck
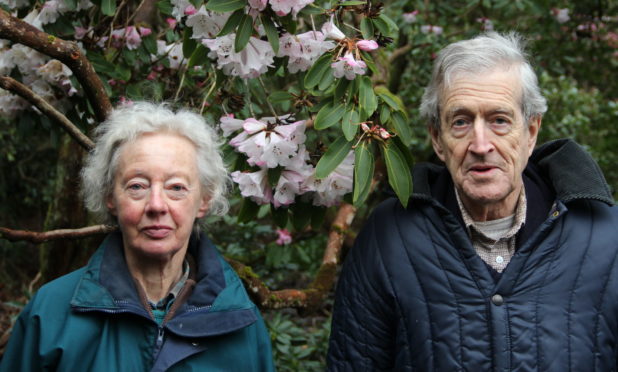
x=154 y=275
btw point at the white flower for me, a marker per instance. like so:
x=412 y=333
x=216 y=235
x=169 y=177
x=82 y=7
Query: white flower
x=83 y=5
x=174 y=53
x=410 y=17
x=331 y=31
x=206 y=24
x=486 y=23
x=15 y=4
x=251 y=62
x=10 y=104
x=254 y=185
x=178 y=8
x=303 y=49
x=287 y=188
x=428 y=29
x=258 y=4
x=229 y=125
x=329 y=191
x=6 y=61
x=32 y=19
x=54 y=71
x=562 y=15
x=26 y=59
x=348 y=66
x=283 y=7
x=50 y=11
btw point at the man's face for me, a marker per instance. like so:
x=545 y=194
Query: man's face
x=484 y=140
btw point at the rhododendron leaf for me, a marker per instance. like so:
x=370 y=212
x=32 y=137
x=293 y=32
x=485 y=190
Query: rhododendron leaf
x=385 y=25
x=165 y=7
x=188 y=44
x=337 y=151
x=366 y=27
x=401 y=126
x=280 y=216
x=108 y=7
x=350 y=123
x=280 y=96
x=366 y=56
x=71 y=5
x=199 y=56
x=326 y=82
x=399 y=176
x=367 y=98
x=389 y=98
x=352 y=3
x=232 y=22
x=405 y=151
x=385 y=113
x=317 y=217
x=244 y=32
x=329 y=115
x=342 y=87
x=271 y=32
x=301 y=215
x=273 y=175
x=364 y=165
x=248 y=210
x=223 y=6
x=319 y=68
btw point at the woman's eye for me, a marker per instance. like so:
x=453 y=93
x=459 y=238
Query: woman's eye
x=178 y=188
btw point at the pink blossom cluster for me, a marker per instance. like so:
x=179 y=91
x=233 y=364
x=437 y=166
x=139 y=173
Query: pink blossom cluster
x=410 y=17
x=561 y=15
x=270 y=143
x=250 y=62
x=131 y=37
x=281 y=7
x=303 y=49
x=431 y=29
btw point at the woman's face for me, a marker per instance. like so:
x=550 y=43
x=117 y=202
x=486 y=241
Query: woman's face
x=156 y=195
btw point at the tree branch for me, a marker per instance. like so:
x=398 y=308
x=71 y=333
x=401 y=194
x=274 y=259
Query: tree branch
x=47 y=109
x=40 y=237
x=67 y=52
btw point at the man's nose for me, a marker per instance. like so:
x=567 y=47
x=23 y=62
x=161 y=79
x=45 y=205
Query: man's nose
x=156 y=201
x=480 y=143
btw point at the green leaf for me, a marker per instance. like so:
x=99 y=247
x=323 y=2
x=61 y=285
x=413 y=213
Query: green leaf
x=280 y=96
x=342 y=87
x=327 y=81
x=350 y=123
x=188 y=44
x=366 y=27
x=165 y=7
x=364 y=164
x=401 y=126
x=71 y=4
x=392 y=26
x=385 y=113
x=329 y=115
x=273 y=175
x=301 y=215
x=367 y=98
x=232 y=22
x=389 y=98
x=108 y=7
x=319 y=68
x=399 y=176
x=280 y=216
x=199 y=56
x=248 y=211
x=335 y=154
x=223 y=6
x=366 y=56
x=244 y=32
x=317 y=217
x=271 y=32
x=150 y=43
x=352 y=3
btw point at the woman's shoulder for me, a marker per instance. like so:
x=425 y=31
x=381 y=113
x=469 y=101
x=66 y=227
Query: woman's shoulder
x=56 y=295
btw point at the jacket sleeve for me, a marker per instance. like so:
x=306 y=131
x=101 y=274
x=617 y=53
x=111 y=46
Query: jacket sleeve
x=265 y=353
x=362 y=333
x=22 y=352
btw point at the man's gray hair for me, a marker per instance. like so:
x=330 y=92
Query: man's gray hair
x=125 y=125
x=476 y=56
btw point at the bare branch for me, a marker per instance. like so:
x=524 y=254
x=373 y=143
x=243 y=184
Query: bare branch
x=23 y=91
x=67 y=52
x=40 y=237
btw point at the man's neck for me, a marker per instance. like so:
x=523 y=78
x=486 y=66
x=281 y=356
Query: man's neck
x=491 y=211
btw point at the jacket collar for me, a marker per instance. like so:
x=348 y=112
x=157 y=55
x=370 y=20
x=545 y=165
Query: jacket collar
x=562 y=166
x=217 y=305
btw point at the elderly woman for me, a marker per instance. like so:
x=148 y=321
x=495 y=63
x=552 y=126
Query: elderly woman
x=156 y=296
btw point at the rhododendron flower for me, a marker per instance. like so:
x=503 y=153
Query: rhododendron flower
x=179 y=7
x=174 y=53
x=287 y=188
x=80 y=32
x=329 y=191
x=410 y=17
x=171 y=22
x=254 y=185
x=258 y=4
x=54 y=71
x=26 y=59
x=487 y=24
x=50 y=11
x=132 y=38
x=561 y=15
x=15 y=4
x=283 y=237
x=10 y=104
x=251 y=62
x=349 y=67
x=190 y=10
x=331 y=31
x=303 y=49
x=428 y=29
x=284 y=7
x=229 y=125
x=206 y=24
x=367 y=45
x=144 y=31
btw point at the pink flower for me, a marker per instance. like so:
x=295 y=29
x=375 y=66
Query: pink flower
x=171 y=22
x=486 y=23
x=284 y=7
x=329 y=191
x=250 y=62
x=151 y=76
x=124 y=101
x=190 y=10
x=132 y=38
x=283 y=237
x=428 y=29
x=367 y=45
x=80 y=32
x=144 y=31
x=258 y=4
x=348 y=66
x=561 y=15
x=303 y=49
x=254 y=185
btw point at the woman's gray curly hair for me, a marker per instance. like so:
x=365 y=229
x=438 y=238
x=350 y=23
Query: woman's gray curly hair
x=476 y=56
x=125 y=125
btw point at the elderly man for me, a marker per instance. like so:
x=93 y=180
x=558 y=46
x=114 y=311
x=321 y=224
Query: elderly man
x=505 y=259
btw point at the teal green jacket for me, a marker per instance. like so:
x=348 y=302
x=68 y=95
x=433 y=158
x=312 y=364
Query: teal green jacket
x=93 y=320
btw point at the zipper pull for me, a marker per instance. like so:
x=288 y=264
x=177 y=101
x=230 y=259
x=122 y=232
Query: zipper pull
x=160 y=337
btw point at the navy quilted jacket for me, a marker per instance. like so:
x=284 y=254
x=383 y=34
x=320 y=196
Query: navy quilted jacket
x=414 y=296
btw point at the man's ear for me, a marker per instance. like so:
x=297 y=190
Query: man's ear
x=534 y=126
x=436 y=142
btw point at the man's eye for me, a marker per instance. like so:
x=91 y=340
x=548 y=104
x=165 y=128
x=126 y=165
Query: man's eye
x=459 y=123
x=501 y=121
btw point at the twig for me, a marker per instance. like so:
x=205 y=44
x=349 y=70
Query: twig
x=270 y=106
x=69 y=53
x=47 y=109
x=212 y=87
x=41 y=237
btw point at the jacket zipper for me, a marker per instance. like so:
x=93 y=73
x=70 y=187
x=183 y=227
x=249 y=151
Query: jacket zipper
x=159 y=343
